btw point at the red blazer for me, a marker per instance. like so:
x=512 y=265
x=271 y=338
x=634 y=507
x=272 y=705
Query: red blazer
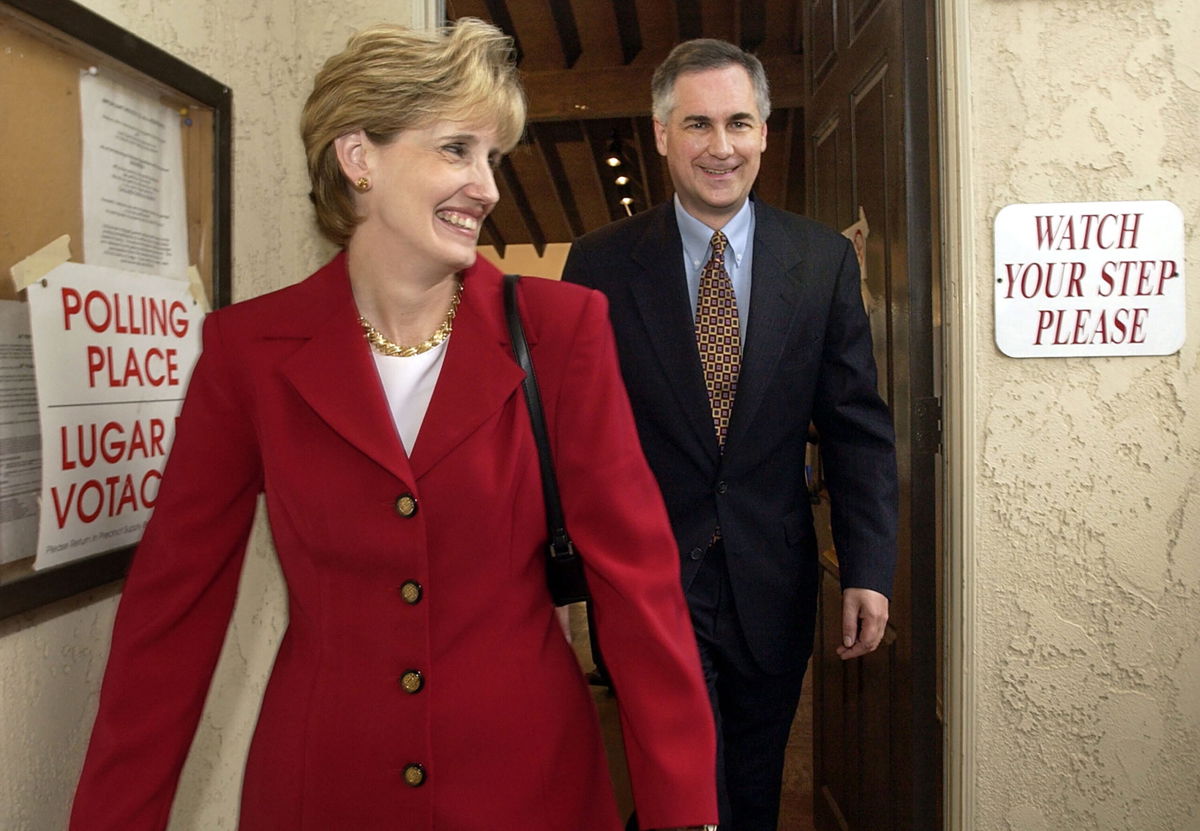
x=285 y=400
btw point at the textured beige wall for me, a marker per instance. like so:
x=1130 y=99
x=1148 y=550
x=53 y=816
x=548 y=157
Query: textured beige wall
x=266 y=51
x=1087 y=483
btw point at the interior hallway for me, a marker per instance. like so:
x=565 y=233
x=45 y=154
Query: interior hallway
x=796 y=805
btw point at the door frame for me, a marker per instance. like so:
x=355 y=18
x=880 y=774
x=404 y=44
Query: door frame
x=920 y=766
x=923 y=195
x=960 y=333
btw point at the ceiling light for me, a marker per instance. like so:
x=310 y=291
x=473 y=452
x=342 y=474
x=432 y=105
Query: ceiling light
x=625 y=195
x=614 y=157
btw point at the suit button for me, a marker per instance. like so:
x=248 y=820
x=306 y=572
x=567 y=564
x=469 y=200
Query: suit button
x=414 y=775
x=406 y=505
x=412 y=681
x=722 y=487
x=411 y=591
x=696 y=553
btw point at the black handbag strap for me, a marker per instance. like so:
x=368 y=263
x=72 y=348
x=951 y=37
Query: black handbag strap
x=560 y=542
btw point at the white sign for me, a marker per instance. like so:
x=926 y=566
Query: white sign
x=113 y=352
x=134 y=215
x=1089 y=278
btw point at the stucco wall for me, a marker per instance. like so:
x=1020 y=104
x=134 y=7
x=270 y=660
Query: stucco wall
x=266 y=51
x=1087 y=489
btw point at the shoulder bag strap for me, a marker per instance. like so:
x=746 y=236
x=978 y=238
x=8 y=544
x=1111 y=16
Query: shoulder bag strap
x=560 y=542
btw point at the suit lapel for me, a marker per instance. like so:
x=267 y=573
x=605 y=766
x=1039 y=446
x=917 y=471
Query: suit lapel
x=479 y=375
x=335 y=373
x=774 y=302
x=660 y=291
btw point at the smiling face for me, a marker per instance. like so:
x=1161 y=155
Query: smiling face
x=713 y=140
x=431 y=189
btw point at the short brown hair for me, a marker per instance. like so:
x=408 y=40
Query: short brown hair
x=697 y=56
x=391 y=78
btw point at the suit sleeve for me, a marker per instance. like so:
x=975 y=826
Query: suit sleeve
x=619 y=523
x=857 y=442
x=176 y=605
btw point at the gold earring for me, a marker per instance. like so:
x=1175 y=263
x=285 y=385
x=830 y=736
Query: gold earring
x=363 y=184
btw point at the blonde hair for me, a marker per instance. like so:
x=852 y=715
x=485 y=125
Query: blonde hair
x=391 y=78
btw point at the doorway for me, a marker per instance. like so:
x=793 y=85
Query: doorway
x=852 y=143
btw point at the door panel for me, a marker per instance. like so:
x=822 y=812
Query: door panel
x=877 y=762
x=821 y=39
x=826 y=195
x=872 y=180
x=860 y=11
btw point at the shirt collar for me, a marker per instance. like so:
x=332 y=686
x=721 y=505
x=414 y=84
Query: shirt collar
x=696 y=235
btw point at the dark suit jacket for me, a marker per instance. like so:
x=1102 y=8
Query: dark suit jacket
x=807 y=358
x=286 y=400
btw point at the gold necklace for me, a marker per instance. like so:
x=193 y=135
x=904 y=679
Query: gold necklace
x=383 y=346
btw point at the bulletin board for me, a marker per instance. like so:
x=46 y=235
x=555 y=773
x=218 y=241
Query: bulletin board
x=45 y=45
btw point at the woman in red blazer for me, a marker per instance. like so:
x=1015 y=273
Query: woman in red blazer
x=423 y=681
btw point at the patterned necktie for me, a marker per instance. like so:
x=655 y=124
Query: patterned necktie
x=718 y=336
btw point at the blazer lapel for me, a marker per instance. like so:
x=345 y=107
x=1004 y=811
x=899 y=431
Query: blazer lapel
x=335 y=373
x=480 y=374
x=774 y=302
x=660 y=291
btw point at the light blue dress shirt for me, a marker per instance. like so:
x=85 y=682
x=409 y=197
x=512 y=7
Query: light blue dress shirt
x=739 y=254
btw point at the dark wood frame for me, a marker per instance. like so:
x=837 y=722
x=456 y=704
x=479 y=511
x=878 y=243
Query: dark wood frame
x=906 y=671
x=83 y=26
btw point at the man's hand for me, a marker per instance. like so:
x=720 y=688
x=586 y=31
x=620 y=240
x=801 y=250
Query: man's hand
x=864 y=619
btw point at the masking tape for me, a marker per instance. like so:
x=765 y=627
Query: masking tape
x=38 y=265
x=196 y=286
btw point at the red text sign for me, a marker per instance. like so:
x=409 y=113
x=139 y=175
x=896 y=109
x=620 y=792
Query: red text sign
x=1089 y=278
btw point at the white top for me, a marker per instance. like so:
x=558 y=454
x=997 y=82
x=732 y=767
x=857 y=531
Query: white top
x=408 y=384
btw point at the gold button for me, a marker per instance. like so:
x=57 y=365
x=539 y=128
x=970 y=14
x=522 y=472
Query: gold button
x=412 y=681
x=414 y=775
x=406 y=505
x=411 y=591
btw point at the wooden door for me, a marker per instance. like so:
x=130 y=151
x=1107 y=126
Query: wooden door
x=877 y=734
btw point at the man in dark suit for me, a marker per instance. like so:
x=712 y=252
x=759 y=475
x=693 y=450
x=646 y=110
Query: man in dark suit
x=731 y=344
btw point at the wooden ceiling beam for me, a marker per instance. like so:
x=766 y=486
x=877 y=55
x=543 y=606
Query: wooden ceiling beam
x=628 y=31
x=658 y=25
x=498 y=14
x=623 y=91
x=640 y=183
x=568 y=32
x=547 y=150
x=491 y=236
x=521 y=201
x=653 y=181
x=598 y=137
x=600 y=33
x=582 y=167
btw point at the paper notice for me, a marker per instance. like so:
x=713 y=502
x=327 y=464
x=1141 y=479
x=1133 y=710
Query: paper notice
x=20 y=438
x=134 y=210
